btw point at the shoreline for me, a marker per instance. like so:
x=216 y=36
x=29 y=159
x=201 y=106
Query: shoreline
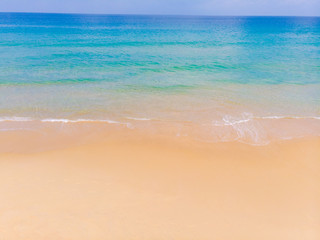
x=25 y=134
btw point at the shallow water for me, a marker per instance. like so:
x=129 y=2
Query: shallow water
x=251 y=79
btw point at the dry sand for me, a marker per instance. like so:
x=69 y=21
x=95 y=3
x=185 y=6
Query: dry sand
x=157 y=188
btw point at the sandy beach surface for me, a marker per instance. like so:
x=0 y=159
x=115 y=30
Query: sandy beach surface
x=158 y=127
x=143 y=187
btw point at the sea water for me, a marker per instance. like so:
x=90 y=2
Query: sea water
x=251 y=79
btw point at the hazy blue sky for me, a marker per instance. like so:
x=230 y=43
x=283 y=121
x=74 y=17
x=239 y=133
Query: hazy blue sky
x=197 y=7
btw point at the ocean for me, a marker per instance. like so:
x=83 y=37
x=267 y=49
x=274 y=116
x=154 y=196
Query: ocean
x=248 y=79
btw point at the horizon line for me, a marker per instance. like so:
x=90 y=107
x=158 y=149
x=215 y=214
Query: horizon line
x=159 y=14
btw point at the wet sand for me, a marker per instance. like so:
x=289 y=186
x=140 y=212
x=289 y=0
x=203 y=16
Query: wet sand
x=161 y=188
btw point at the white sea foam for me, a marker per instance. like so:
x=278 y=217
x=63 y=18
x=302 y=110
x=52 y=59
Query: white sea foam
x=63 y=120
x=226 y=122
x=252 y=129
x=241 y=129
x=15 y=119
x=139 y=119
x=245 y=128
x=231 y=121
x=288 y=117
x=57 y=120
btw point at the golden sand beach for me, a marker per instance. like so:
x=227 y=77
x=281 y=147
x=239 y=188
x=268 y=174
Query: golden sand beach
x=121 y=126
x=126 y=185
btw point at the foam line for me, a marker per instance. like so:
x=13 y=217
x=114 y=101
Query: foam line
x=15 y=119
x=62 y=120
x=139 y=119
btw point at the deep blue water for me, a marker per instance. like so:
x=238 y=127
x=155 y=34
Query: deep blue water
x=57 y=48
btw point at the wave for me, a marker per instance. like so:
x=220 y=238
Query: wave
x=246 y=128
x=225 y=121
x=59 y=120
x=260 y=130
x=15 y=119
x=139 y=119
x=63 y=120
x=229 y=120
x=287 y=117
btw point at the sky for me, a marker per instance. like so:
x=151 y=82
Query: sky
x=183 y=7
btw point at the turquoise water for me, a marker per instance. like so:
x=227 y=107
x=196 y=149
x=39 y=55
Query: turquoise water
x=204 y=71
